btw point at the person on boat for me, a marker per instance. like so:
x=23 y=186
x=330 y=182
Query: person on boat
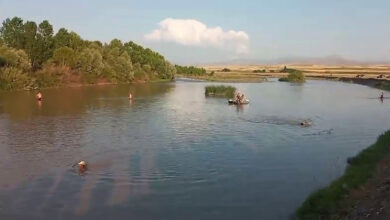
x=242 y=98
x=39 y=96
x=238 y=96
x=382 y=96
x=130 y=96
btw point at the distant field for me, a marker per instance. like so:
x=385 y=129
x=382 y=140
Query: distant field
x=237 y=71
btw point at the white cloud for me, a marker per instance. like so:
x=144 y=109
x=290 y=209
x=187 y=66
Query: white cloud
x=191 y=32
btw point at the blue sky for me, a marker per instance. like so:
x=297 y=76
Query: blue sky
x=353 y=29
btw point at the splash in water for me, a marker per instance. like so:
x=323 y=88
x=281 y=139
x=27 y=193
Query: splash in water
x=275 y=120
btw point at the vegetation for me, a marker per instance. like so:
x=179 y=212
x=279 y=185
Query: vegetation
x=259 y=71
x=293 y=76
x=225 y=70
x=32 y=55
x=220 y=91
x=384 y=85
x=323 y=204
x=191 y=70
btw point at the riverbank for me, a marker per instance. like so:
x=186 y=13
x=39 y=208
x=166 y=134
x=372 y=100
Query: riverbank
x=232 y=77
x=361 y=193
x=358 y=74
x=100 y=83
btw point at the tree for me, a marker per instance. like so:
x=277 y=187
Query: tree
x=117 y=63
x=64 y=56
x=14 y=58
x=14 y=68
x=90 y=62
x=30 y=39
x=12 y=32
x=116 y=43
x=45 y=44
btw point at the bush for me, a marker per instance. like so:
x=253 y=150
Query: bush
x=221 y=91
x=225 y=70
x=293 y=76
x=3 y=62
x=259 y=71
x=52 y=75
x=13 y=78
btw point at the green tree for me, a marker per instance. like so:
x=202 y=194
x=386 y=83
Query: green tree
x=90 y=62
x=116 y=43
x=12 y=32
x=14 y=58
x=45 y=44
x=117 y=63
x=64 y=56
x=14 y=68
x=30 y=40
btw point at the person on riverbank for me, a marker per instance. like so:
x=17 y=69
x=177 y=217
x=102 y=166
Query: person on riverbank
x=39 y=96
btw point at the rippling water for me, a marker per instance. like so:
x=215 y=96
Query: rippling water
x=171 y=153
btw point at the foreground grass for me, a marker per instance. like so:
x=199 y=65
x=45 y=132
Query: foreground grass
x=324 y=203
x=220 y=91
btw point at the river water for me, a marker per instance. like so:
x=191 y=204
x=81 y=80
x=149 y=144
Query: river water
x=172 y=153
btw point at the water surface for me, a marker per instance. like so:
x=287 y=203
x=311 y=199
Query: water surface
x=172 y=153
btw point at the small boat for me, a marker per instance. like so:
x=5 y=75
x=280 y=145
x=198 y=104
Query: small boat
x=235 y=102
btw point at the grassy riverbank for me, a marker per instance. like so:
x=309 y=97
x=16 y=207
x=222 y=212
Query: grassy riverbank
x=328 y=203
x=228 y=77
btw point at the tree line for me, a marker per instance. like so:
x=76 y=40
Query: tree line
x=32 y=55
x=190 y=70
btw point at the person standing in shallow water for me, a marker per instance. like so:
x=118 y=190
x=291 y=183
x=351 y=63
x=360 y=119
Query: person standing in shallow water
x=39 y=96
x=382 y=96
x=130 y=96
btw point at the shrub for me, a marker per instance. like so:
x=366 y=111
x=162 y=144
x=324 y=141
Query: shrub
x=225 y=70
x=3 y=62
x=293 y=76
x=259 y=71
x=13 y=78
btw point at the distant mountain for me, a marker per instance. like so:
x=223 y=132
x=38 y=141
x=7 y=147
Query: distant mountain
x=327 y=60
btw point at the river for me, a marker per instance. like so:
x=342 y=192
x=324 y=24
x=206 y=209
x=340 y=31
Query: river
x=171 y=153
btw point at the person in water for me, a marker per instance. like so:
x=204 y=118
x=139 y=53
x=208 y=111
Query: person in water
x=39 y=96
x=382 y=96
x=305 y=123
x=130 y=96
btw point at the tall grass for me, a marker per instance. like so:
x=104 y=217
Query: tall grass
x=220 y=91
x=323 y=203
